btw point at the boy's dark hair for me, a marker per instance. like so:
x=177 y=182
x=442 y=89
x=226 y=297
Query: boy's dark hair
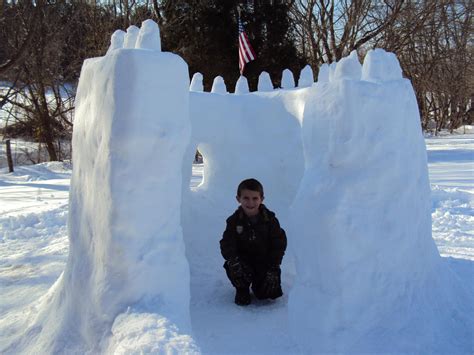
x=250 y=184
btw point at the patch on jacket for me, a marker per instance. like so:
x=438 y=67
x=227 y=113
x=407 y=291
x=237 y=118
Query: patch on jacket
x=239 y=229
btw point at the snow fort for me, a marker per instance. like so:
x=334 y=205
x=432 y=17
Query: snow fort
x=343 y=164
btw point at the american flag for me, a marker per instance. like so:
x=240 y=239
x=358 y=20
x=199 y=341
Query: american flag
x=246 y=52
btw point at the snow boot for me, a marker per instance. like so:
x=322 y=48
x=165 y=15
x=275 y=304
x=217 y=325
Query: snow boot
x=242 y=297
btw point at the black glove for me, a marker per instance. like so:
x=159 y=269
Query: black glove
x=239 y=274
x=272 y=284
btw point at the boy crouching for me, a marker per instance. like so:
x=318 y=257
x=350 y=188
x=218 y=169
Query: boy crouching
x=253 y=245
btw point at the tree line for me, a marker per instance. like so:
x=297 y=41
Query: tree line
x=43 y=44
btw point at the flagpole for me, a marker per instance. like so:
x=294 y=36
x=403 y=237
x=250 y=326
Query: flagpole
x=246 y=52
x=238 y=22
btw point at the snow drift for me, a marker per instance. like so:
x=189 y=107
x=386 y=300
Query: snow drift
x=336 y=151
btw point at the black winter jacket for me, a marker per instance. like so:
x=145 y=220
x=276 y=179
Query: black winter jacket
x=260 y=244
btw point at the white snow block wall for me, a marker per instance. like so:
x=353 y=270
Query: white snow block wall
x=368 y=273
x=126 y=283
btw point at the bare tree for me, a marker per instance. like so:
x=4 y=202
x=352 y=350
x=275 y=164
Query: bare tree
x=39 y=100
x=329 y=29
x=432 y=39
x=14 y=52
x=25 y=38
x=433 y=42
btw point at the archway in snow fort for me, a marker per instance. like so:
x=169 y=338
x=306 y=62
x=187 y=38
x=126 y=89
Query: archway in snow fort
x=240 y=136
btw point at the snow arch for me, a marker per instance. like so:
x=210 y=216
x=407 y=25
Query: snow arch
x=240 y=136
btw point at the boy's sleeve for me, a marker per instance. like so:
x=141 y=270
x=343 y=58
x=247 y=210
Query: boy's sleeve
x=278 y=243
x=228 y=243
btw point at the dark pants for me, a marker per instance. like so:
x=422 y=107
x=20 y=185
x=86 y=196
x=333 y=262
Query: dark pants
x=256 y=275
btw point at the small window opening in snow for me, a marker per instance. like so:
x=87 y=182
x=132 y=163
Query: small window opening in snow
x=198 y=170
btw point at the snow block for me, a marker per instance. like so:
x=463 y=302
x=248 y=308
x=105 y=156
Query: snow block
x=264 y=82
x=196 y=83
x=306 y=77
x=131 y=37
x=242 y=86
x=323 y=75
x=218 y=86
x=368 y=271
x=116 y=40
x=332 y=70
x=149 y=36
x=380 y=65
x=287 y=79
x=348 y=68
x=132 y=112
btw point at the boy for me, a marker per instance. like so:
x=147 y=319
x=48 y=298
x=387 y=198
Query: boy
x=253 y=245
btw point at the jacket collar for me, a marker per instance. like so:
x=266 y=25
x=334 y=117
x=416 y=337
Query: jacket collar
x=262 y=213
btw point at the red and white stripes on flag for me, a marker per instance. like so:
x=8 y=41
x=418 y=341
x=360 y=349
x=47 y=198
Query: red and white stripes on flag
x=246 y=52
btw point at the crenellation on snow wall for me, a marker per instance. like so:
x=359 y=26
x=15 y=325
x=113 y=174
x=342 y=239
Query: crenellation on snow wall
x=264 y=84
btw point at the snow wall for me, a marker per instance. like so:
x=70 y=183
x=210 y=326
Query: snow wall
x=331 y=156
x=369 y=275
x=127 y=257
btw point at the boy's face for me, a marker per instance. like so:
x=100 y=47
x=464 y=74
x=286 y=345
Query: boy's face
x=250 y=201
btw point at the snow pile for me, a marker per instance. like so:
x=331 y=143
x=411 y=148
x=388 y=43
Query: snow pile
x=126 y=246
x=368 y=272
x=148 y=333
x=32 y=225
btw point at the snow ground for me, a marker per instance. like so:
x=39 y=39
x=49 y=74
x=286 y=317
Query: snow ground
x=34 y=250
x=451 y=166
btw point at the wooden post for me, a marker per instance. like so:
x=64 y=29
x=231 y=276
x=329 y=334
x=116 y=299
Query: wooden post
x=9 y=156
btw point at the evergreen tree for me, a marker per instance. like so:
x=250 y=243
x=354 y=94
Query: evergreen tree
x=205 y=34
x=268 y=25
